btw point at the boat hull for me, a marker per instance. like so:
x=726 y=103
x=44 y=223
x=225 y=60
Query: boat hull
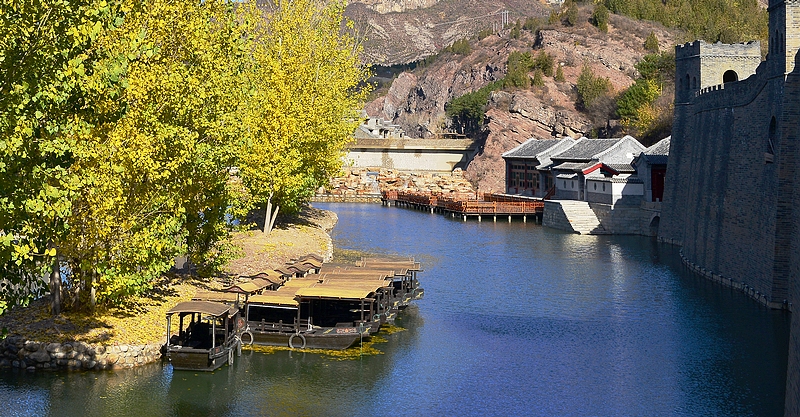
x=328 y=338
x=188 y=359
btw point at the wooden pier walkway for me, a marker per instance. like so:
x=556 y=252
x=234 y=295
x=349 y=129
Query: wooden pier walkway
x=466 y=205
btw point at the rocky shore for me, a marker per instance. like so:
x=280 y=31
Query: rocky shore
x=17 y=352
x=355 y=182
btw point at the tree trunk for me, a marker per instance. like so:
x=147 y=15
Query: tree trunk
x=274 y=215
x=270 y=215
x=55 y=288
x=92 y=296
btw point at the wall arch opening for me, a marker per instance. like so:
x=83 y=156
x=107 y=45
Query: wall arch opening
x=730 y=76
x=654 y=222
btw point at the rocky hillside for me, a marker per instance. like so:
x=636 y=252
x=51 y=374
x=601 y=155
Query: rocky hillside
x=395 y=6
x=416 y=99
x=404 y=31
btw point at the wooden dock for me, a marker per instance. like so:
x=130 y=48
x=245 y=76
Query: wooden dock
x=466 y=205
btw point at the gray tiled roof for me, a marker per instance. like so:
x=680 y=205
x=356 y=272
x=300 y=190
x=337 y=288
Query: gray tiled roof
x=573 y=166
x=659 y=148
x=531 y=148
x=586 y=149
x=621 y=167
x=658 y=154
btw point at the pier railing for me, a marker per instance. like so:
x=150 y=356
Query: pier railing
x=468 y=203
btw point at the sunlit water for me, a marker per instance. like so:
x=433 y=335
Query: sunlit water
x=517 y=320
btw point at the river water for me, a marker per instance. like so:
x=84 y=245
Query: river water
x=517 y=320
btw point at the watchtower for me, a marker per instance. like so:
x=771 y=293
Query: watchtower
x=784 y=34
x=699 y=65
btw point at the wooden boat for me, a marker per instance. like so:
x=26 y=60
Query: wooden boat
x=307 y=313
x=208 y=335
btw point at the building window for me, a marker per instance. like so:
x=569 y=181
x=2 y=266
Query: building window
x=604 y=187
x=595 y=186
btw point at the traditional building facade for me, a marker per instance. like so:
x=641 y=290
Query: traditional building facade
x=730 y=196
x=528 y=166
x=572 y=166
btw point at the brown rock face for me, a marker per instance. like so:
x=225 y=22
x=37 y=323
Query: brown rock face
x=513 y=118
x=396 y=6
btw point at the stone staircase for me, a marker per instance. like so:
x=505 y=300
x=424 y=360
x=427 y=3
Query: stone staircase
x=572 y=216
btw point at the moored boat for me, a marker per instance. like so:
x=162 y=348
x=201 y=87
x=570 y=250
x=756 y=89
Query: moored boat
x=208 y=335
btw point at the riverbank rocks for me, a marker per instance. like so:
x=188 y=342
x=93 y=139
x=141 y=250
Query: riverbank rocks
x=16 y=352
x=371 y=181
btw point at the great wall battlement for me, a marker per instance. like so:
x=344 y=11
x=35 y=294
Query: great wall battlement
x=732 y=188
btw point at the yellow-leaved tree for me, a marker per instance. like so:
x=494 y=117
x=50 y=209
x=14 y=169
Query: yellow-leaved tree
x=305 y=80
x=154 y=183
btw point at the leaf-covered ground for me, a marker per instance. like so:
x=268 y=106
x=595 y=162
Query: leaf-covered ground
x=142 y=320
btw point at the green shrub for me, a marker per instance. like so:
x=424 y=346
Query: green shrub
x=590 y=87
x=570 y=13
x=559 y=75
x=600 y=17
x=658 y=67
x=538 y=78
x=518 y=64
x=544 y=62
x=516 y=31
x=469 y=109
x=642 y=92
x=460 y=47
x=651 y=43
x=532 y=24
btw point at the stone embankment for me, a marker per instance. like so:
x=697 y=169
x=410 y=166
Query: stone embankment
x=16 y=352
x=358 y=184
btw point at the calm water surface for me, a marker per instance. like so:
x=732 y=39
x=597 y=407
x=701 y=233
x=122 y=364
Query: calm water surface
x=517 y=320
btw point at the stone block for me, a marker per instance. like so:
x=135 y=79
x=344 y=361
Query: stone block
x=40 y=356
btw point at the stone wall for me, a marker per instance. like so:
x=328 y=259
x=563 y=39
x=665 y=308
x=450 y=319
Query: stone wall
x=16 y=352
x=721 y=190
x=625 y=220
x=789 y=240
x=731 y=192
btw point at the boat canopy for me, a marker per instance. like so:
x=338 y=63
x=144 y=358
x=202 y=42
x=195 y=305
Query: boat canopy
x=339 y=292
x=278 y=298
x=224 y=297
x=249 y=287
x=205 y=307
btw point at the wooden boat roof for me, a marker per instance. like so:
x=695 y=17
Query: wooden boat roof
x=372 y=263
x=293 y=284
x=316 y=263
x=341 y=289
x=311 y=257
x=271 y=277
x=218 y=296
x=285 y=271
x=366 y=275
x=338 y=293
x=249 y=287
x=281 y=298
x=208 y=307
